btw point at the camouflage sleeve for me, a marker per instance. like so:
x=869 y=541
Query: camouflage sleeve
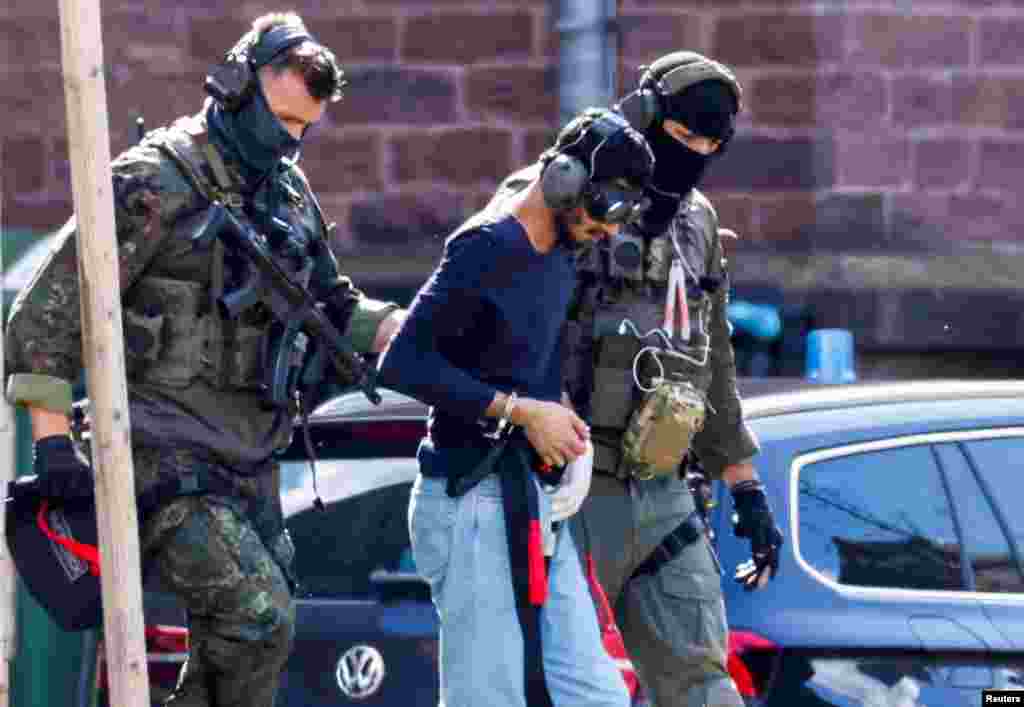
x=725 y=438
x=44 y=330
x=364 y=315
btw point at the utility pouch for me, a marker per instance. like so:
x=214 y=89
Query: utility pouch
x=661 y=429
x=162 y=335
x=614 y=390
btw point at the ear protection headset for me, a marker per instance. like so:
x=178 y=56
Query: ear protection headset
x=232 y=82
x=567 y=181
x=666 y=77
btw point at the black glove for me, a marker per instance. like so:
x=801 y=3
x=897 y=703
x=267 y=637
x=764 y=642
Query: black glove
x=61 y=473
x=753 y=519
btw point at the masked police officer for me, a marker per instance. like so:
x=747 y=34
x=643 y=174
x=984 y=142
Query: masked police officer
x=652 y=369
x=203 y=432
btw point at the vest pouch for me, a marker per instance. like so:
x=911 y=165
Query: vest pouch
x=661 y=429
x=614 y=390
x=167 y=310
x=247 y=357
x=143 y=340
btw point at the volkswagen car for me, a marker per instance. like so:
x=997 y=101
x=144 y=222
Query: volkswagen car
x=901 y=581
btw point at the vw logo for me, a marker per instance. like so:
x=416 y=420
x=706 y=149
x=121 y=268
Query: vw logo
x=360 y=672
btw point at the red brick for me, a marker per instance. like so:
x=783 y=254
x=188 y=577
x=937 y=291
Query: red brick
x=645 y=37
x=521 y=93
x=987 y=101
x=919 y=101
x=25 y=164
x=753 y=163
x=783 y=100
x=785 y=220
x=546 y=33
x=849 y=222
x=1001 y=41
x=406 y=220
x=1001 y=162
x=149 y=39
x=210 y=37
x=359 y=39
x=735 y=212
x=872 y=160
x=30 y=42
x=938 y=219
x=380 y=94
x=47 y=213
x=464 y=156
x=345 y=162
x=534 y=143
x=460 y=38
x=134 y=92
x=779 y=39
x=941 y=163
x=851 y=99
x=32 y=101
x=910 y=41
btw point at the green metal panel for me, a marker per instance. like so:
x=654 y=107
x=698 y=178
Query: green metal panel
x=48 y=660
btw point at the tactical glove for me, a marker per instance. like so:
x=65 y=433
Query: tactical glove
x=753 y=519
x=61 y=472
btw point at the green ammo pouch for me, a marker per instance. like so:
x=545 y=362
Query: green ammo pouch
x=662 y=428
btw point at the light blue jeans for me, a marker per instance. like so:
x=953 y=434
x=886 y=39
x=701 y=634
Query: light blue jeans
x=459 y=545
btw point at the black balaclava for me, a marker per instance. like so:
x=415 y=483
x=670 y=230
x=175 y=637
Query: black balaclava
x=254 y=134
x=707 y=108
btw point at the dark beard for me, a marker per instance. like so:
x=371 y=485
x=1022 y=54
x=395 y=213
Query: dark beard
x=563 y=220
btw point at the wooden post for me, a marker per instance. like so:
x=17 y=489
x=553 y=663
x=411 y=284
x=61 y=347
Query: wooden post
x=103 y=343
x=8 y=627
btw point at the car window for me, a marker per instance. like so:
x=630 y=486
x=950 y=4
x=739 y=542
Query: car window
x=337 y=549
x=879 y=519
x=998 y=463
x=985 y=543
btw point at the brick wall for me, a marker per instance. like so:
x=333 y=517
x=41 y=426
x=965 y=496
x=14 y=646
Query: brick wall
x=872 y=127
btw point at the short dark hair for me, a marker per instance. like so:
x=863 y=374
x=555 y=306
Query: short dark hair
x=317 y=64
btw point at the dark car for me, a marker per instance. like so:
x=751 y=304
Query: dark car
x=900 y=582
x=902 y=579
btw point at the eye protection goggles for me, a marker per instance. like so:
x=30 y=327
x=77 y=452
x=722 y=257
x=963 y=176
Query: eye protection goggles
x=612 y=203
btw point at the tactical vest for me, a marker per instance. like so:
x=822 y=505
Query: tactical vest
x=616 y=350
x=174 y=329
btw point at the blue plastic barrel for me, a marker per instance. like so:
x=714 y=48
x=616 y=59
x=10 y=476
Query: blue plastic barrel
x=830 y=356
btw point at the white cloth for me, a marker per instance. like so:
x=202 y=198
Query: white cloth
x=568 y=496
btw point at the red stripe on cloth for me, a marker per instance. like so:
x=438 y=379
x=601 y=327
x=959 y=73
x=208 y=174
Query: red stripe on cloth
x=84 y=552
x=538 y=573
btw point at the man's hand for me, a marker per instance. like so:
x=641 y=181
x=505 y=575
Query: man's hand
x=753 y=519
x=569 y=495
x=557 y=433
x=62 y=474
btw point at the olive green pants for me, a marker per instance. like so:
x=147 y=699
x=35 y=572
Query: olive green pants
x=673 y=622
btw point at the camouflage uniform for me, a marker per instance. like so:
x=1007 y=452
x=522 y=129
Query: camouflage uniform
x=673 y=621
x=194 y=391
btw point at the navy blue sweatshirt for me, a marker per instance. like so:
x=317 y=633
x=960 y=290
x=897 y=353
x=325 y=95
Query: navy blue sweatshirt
x=487 y=320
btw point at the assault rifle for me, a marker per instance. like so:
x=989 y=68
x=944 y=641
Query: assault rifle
x=303 y=339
